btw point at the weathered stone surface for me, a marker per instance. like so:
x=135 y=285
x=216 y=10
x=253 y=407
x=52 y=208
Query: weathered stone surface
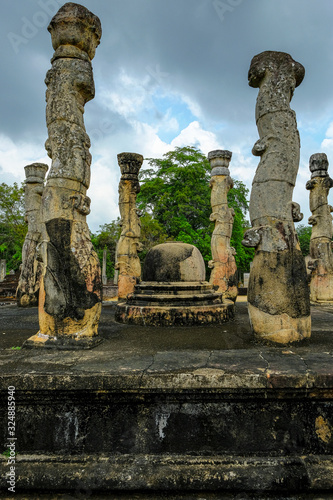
x=3 y=269
x=171 y=416
x=70 y=292
x=31 y=270
x=320 y=263
x=174 y=261
x=177 y=477
x=174 y=304
x=187 y=411
x=278 y=295
x=174 y=291
x=223 y=264
x=127 y=260
x=75 y=26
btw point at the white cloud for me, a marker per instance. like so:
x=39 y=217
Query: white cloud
x=192 y=106
x=147 y=140
x=327 y=143
x=15 y=156
x=103 y=192
x=195 y=135
x=105 y=173
x=243 y=168
x=168 y=123
x=128 y=96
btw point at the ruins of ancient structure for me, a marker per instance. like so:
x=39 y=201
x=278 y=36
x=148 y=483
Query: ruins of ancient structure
x=104 y=276
x=3 y=269
x=321 y=257
x=223 y=264
x=278 y=294
x=127 y=260
x=173 y=291
x=31 y=270
x=70 y=291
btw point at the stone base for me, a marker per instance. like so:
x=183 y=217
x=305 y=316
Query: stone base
x=173 y=416
x=174 y=303
x=321 y=284
x=257 y=422
x=175 y=316
x=321 y=302
x=279 y=328
x=157 y=474
x=67 y=343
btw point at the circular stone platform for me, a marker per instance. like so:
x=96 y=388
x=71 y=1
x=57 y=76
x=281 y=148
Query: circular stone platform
x=174 y=291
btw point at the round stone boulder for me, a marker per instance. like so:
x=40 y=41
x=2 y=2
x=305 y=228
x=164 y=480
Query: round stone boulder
x=174 y=261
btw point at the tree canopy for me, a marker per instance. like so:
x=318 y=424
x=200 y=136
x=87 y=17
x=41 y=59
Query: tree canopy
x=13 y=227
x=175 y=192
x=304 y=236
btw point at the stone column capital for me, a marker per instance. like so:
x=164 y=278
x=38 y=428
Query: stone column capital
x=35 y=173
x=75 y=25
x=277 y=64
x=219 y=160
x=130 y=164
x=318 y=165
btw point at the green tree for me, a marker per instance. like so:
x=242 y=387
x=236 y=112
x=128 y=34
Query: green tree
x=176 y=188
x=175 y=192
x=13 y=227
x=152 y=233
x=304 y=236
x=106 y=239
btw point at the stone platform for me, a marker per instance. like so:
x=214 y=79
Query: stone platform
x=174 y=304
x=191 y=412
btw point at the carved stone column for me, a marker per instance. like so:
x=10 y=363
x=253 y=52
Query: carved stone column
x=223 y=264
x=70 y=293
x=3 y=269
x=278 y=294
x=31 y=270
x=127 y=260
x=104 y=276
x=321 y=257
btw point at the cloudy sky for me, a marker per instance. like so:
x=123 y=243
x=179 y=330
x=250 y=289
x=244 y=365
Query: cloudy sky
x=167 y=73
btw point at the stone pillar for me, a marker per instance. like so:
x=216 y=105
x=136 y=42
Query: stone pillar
x=70 y=292
x=321 y=257
x=127 y=260
x=31 y=270
x=278 y=294
x=104 y=277
x=223 y=264
x=3 y=269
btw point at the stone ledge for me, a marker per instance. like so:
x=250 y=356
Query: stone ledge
x=178 y=472
x=265 y=370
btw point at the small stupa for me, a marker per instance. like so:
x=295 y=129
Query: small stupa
x=174 y=291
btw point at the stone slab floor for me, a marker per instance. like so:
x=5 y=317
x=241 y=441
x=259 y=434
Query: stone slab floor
x=182 y=346
x=167 y=359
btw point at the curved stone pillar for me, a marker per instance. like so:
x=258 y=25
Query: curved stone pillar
x=278 y=294
x=31 y=270
x=127 y=260
x=70 y=292
x=321 y=257
x=223 y=264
